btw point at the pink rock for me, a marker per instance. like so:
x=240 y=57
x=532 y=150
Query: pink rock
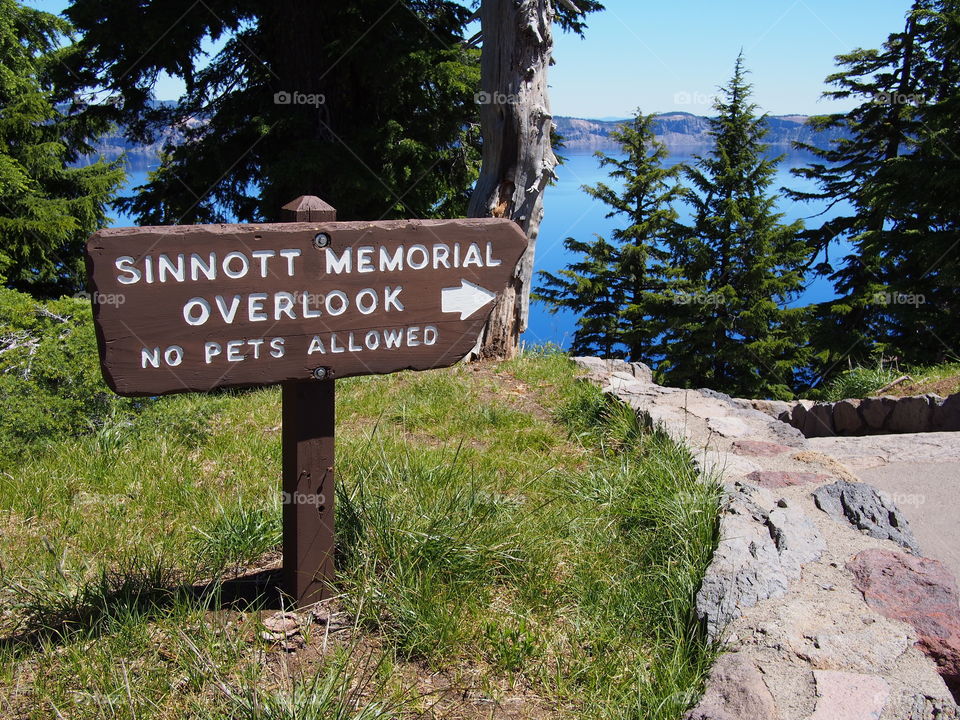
x=760 y=448
x=282 y=623
x=735 y=691
x=783 y=478
x=849 y=696
x=920 y=592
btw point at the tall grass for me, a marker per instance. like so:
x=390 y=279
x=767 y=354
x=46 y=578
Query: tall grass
x=591 y=569
x=239 y=535
x=476 y=539
x=348 y=687
x=863 y=381
x=858 y=382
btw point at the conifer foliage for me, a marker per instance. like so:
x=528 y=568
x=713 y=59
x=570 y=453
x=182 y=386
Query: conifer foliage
x=737 y=266
x=705 y=304
x=898 y=277
x=369 y=104
x=47 y=207
x=619 y=284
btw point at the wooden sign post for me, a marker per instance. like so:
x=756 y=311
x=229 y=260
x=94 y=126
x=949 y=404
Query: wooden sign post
x=197 y=307
x=309 y=418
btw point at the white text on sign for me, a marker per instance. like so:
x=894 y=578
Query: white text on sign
x=302 y=304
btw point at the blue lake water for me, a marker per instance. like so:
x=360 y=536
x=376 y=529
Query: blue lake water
x=570 y=212
x=135 y=176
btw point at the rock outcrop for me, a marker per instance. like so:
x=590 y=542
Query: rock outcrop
x=867 y=510
x=918 y=591
x=685 y=131
x=735 y=691
x=761 y=550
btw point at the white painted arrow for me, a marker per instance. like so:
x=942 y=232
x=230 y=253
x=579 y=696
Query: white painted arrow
x=466 y=299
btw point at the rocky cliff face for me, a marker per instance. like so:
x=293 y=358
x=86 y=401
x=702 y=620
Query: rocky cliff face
x=683 y=131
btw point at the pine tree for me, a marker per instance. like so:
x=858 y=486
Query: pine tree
x=368 y=104
x=47 y=207
x=919 y=248
x=897 y=172
x=618 y=286
x=737 y=267
x=590 y=288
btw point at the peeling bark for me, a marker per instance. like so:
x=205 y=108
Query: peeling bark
x=518 y=160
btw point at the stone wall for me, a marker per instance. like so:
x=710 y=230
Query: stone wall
x=871 y=416
x=817 y=591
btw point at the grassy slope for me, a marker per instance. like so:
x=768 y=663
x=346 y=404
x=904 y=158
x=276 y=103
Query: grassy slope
x=863 y=381
x=490 y=559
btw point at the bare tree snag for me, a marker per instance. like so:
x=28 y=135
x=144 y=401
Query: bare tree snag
x=518 y=159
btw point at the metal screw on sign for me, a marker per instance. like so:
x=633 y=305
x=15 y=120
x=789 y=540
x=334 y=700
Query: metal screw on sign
x=321 y=240
x=321 y=373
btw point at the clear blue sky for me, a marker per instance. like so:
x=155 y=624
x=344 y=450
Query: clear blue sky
x=663 y=56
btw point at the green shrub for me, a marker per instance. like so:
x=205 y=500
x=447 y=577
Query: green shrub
x=50 y=381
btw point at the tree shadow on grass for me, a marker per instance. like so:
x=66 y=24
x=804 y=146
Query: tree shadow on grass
x=52 y=613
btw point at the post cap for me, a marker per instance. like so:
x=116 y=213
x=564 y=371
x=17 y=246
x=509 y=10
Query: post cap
x=308 y=208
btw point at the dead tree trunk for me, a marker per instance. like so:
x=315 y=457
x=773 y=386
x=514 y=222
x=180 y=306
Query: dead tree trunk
x=518 y=160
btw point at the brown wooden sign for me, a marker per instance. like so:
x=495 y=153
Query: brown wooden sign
x=192 y=308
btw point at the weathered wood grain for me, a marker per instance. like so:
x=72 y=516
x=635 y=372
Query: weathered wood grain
x=151 y=315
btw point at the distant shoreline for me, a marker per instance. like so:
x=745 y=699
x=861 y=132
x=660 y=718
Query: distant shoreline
x=685 y=132
x=681 y=132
